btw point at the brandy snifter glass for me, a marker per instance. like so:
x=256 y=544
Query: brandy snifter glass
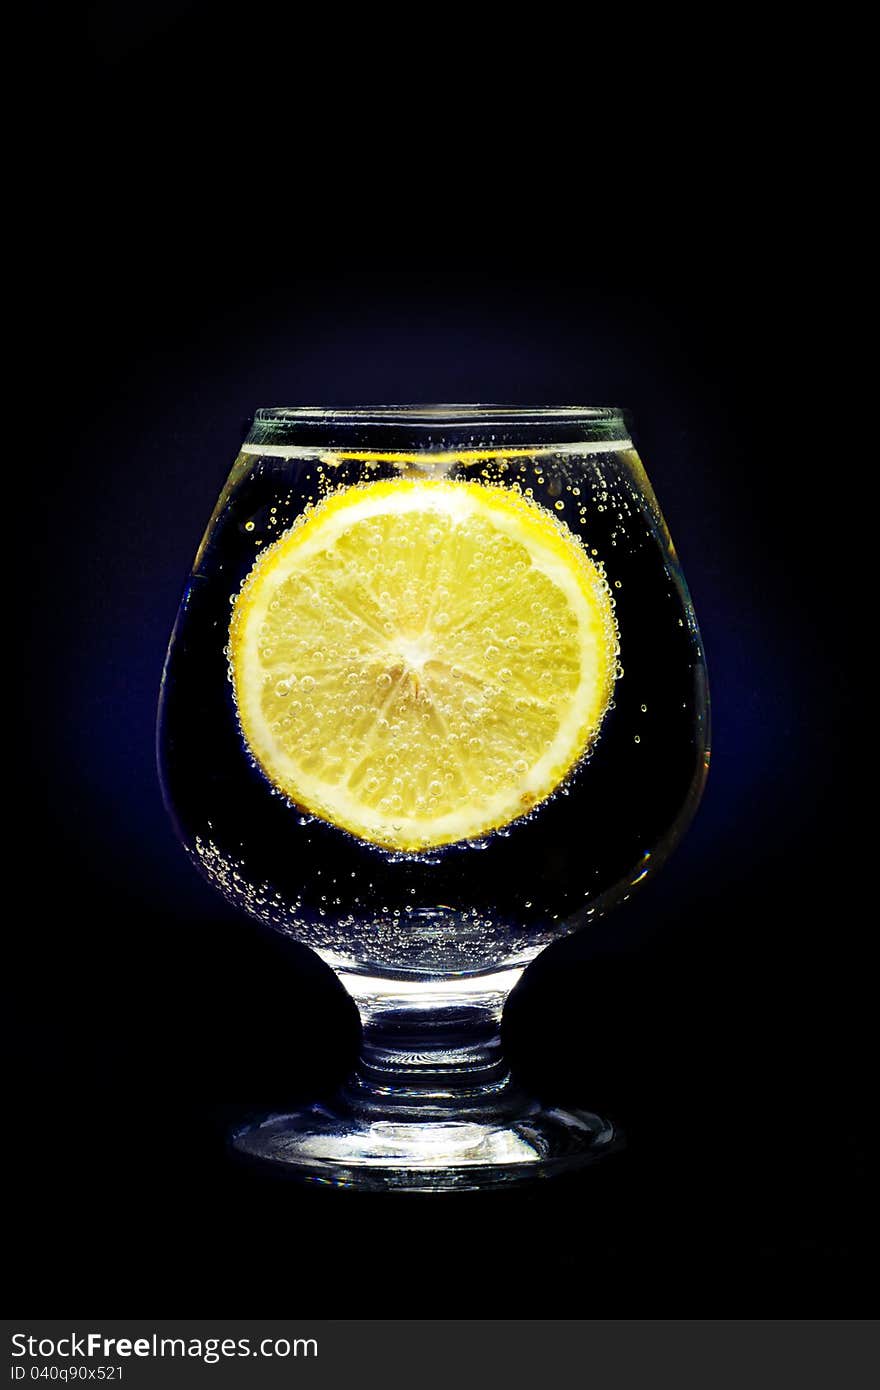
x=435 y=698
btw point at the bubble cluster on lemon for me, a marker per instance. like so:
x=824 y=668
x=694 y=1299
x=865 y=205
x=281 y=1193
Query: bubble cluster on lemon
x=422 y=661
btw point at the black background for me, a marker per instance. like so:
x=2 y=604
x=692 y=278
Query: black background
x=189 y=276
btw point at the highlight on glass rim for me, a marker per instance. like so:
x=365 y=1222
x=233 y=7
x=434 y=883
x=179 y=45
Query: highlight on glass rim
x=435 y=698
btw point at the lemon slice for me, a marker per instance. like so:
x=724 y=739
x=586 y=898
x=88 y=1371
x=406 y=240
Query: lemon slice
x=422 y=661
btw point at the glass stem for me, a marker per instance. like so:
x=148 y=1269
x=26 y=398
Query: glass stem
x=431 y=1049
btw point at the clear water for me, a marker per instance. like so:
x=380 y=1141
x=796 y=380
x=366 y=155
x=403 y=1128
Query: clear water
x=469 y=907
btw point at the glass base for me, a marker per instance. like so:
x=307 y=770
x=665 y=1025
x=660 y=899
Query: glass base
x=336 y=1147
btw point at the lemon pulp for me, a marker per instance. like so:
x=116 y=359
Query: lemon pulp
x=422 y=661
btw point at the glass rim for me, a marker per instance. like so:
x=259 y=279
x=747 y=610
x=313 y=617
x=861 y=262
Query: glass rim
x=432 y=415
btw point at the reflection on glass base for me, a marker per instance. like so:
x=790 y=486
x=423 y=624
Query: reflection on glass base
x=338 y=1148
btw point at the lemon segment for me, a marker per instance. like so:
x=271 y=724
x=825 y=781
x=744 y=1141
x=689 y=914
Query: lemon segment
x=422 y=661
